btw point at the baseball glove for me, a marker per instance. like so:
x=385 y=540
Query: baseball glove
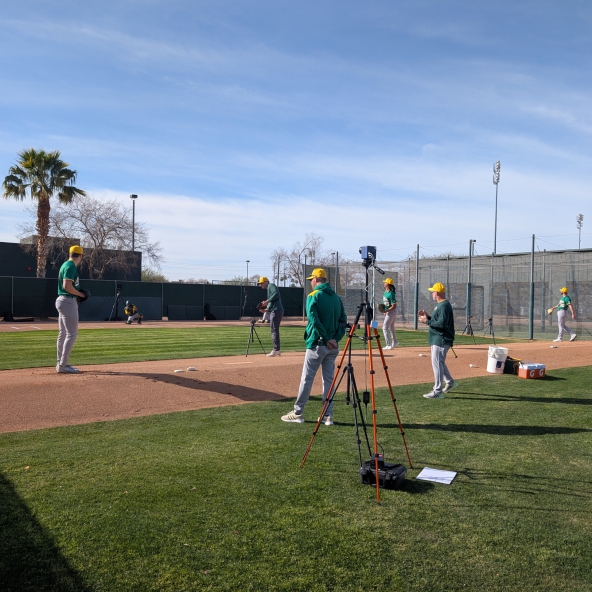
x=86 y=295
x=381 y=307
x=261 y=308
x=549 y=311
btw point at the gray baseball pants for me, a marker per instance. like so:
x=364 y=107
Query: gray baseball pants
x=68 y=327
x=319 y=356
x=275 y=318
x=388 y=328
x=561 y=314
x=441 y=373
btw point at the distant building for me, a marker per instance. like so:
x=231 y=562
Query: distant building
x=19 y=260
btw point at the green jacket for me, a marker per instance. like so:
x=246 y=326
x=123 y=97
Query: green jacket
x=275 y=300
x=326 y=316
x=441 y=325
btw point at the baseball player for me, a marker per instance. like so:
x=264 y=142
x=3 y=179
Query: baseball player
x=273 y=305
x=326 y=326
x=132 y=313
x=389 y=302
x=67 y=305
x=562 y=307
x=441 y=339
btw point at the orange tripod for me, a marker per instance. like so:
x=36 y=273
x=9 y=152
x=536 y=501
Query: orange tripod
x=352 y=392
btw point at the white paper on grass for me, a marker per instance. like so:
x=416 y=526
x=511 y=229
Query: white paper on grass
x=436 y=475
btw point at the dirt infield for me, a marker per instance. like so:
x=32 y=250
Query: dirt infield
x=40 y=398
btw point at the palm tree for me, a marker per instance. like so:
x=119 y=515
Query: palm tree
x=43 y=175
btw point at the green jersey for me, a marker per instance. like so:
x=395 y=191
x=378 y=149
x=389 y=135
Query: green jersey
x=274 y=299
x=68 y=271
x=388 y=299
x=564 y=303
x=441 y=325
x=326 y=316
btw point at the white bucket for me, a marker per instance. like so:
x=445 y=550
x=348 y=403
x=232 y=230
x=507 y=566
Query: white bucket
x=496 y=359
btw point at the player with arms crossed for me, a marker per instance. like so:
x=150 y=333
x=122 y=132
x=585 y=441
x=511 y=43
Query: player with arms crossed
x=326 y=326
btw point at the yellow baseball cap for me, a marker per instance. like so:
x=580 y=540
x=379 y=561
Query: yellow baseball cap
x=564 y=290
x=262 y=279
x=317 y=273
x=438 y=287
x=389 y=281
x=76 y=249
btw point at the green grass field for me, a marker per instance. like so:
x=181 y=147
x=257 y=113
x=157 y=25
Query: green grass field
x=35 y=349
x=215 y=500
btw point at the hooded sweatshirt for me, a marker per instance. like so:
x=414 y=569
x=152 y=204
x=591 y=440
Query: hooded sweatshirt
x=326 y=316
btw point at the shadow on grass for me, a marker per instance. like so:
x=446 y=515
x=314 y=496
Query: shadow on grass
x=520 y=399
x=499 y=430
x=531 y=485
x=244 y=393
x=29 y=559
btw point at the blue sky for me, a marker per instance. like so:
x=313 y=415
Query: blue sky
x=244 y=125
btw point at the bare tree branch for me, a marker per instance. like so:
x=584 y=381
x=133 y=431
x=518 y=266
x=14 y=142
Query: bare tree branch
x=105 y=231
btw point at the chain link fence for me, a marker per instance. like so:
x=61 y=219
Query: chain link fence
x=505 y=294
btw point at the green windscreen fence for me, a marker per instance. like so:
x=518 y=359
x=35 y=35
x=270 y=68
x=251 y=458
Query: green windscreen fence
x=5 y=296
x=36 y=297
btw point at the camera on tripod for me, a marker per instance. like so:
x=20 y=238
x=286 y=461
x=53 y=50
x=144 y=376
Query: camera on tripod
x=368 y=255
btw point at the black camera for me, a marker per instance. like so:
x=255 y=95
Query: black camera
x=368 y=253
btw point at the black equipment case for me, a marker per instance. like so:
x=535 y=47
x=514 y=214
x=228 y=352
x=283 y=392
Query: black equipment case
x=391 y=476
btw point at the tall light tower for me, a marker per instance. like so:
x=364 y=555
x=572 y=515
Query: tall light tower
x=133 y=197
x=496 y=180
x=580 y=222
x=247 y=262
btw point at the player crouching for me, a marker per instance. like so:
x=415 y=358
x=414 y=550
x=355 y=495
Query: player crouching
x=132 y=313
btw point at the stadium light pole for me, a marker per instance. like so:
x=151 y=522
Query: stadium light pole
x=133 y=197
x=247 y=262
x=580 y=222
x=496 y=180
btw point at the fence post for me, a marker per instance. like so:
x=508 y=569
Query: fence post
x=543 y=297
x=531 y=303
x=416 y=296
x=304 y=289
x=468 y=304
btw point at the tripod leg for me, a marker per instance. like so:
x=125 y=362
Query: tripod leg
x=357 y=405
x=259 y=340
x=332 y=391
x=328 y=400
x=249 y=341
x=373 y=401
x=388 y=379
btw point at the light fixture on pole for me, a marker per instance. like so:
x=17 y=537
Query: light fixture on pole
x=580 y=222
x=496 y=180
x=133 y=197
x=247 y=262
